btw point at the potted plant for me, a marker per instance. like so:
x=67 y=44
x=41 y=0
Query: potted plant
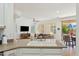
x=65 y=30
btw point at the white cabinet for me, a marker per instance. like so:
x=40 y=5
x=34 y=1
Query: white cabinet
x=57 y=52
x=27 y=51
x=33 y=52
x=10 y=53
x=1 y=13
x=38 y=52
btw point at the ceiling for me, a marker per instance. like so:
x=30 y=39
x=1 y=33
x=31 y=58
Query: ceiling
x=43 y=11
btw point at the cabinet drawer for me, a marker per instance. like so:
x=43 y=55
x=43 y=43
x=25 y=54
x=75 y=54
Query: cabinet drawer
x=51 y=51
x=27 y=52
x=31 y=50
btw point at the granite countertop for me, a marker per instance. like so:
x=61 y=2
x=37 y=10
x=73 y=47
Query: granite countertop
x=23 y=44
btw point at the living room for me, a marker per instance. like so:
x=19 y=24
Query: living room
x=38 y=24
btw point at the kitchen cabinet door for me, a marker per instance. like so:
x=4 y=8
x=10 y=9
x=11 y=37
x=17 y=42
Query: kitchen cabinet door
x=27 y=52
x=56 y=52
x=10 y=53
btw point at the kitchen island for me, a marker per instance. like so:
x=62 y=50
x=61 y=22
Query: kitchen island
x=22 y=47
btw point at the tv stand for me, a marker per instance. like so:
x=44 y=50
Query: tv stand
x=25 y=36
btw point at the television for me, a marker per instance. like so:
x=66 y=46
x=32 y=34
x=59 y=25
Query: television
x=24 y=28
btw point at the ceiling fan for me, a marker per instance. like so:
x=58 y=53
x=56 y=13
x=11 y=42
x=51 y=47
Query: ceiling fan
x=34 y=20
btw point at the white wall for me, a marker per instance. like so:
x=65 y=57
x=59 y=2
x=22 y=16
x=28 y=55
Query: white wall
x=1 y=13
x=58 y=35
x=77 y=32
x=10 y=30
x=22 y=21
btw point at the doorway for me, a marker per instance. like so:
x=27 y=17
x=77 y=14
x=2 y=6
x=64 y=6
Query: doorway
x=69 y=32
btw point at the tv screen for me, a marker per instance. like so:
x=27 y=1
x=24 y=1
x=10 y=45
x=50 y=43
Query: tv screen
x=24 y=28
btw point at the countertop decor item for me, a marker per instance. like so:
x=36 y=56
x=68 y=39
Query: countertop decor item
x=4 y=41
